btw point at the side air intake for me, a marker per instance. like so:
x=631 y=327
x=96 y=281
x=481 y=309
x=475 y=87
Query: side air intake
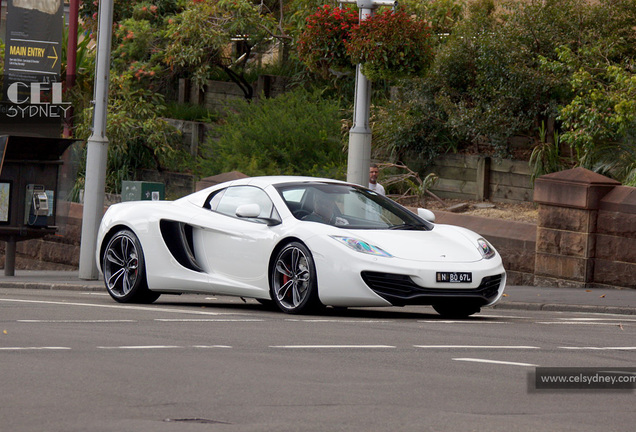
x=178 y=238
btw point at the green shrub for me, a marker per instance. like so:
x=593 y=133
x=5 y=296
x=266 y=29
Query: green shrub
x=138 y=136
x=189 y=112
x=297 y=133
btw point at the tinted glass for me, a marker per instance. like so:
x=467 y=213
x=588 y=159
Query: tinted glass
x=227 y=201
x=347 y=206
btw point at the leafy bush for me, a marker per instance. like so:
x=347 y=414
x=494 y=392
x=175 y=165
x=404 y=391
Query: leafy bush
x=412 y=127
x=297 y=133
x=390 y=45
x=190 y=112
x=138 y=136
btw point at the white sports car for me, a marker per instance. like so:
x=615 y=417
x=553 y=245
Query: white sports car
x=300 y=243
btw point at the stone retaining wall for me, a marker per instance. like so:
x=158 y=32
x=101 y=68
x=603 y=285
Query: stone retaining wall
x=586 y=234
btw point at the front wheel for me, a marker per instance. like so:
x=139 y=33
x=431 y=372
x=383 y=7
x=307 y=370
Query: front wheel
x=293 y=280
x=125 y=270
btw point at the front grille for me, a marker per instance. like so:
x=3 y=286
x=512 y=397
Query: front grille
x=401 y=290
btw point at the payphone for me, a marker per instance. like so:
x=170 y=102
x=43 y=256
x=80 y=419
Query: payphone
x=36 y=205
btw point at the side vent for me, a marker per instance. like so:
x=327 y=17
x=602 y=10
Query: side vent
x=178 y=238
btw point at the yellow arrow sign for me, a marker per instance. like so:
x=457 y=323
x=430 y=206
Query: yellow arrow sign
x=53 y=57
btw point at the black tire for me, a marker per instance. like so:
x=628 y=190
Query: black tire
x=293 y=280
x=125 y=269
x=462 y=310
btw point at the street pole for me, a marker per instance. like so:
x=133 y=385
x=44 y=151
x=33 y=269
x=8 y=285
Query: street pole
x=359 y=157
x=71 y=60
x=97 y=147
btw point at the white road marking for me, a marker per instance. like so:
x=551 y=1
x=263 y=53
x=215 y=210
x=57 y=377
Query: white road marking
x=140 y=347
x=125 y=307
x=478 y=346
x=596 y=319
x=339 y=321
x=476 y=360
x=208 y=320
x=331 y=346
x=76 y=321
x=600 y=348
x=470 y=322
x=32 y=348
x=579 y=323
x=211 y=346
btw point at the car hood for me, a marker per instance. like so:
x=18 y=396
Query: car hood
x=444 y=243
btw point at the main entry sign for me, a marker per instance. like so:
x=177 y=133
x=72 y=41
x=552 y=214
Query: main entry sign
x=34 y=39
x=33 y=51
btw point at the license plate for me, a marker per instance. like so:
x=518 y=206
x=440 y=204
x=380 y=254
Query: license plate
x=454 y=277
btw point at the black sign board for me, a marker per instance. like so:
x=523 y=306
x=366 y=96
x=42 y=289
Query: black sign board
x=33 y=54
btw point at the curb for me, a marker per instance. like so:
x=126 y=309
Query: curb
x=51 y=286
x=555 y=307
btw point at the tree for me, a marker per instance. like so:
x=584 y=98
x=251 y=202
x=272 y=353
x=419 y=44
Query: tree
x=489 y=81
x=200 y=35
x=138 y=136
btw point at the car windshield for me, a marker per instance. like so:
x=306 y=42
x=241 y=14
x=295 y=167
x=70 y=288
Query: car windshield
x=347 y=206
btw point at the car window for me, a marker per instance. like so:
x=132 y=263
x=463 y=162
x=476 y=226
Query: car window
x=228 y=200
x=347 y=206
x=213 y=200
x=294 y=195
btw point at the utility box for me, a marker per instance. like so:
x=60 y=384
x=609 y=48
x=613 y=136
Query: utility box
x=142 y=191
x=29 y=177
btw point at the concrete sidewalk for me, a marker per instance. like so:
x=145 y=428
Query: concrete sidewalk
x=596 y=300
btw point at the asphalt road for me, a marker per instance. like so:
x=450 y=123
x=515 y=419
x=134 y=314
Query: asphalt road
x=77 y=361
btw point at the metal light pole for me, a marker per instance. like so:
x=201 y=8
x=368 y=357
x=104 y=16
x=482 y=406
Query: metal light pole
x=359 y=157
x=97 y=147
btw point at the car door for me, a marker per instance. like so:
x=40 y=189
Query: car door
x=236 y=250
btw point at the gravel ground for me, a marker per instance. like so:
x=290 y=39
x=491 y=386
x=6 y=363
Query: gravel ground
x=521 y=212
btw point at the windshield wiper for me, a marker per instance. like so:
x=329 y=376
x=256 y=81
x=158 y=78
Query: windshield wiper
x=408 y=227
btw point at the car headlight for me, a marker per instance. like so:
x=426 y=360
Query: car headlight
x=361 y=246
x=486 y=250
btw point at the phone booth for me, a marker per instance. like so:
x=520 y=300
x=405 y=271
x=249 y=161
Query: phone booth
x=29 y=177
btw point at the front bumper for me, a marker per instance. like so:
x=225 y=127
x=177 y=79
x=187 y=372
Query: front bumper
x=400 y=290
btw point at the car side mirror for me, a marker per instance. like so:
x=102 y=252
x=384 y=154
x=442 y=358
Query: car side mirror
x=426 y=214
x=248 y=211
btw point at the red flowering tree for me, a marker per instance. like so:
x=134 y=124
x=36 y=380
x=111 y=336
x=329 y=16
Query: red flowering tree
x=322 y=45
x=388 y=45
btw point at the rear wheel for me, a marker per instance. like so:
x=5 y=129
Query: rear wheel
x=293 y=280
x=125 y=270
x=462 y=310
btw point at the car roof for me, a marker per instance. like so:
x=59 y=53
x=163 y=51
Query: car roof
x=199 y=197
x=277 y=180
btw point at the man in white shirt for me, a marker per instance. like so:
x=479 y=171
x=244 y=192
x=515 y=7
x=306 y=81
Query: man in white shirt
x=373 y=180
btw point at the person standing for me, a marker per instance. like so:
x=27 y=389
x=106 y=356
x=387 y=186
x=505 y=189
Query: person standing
x=373 y=180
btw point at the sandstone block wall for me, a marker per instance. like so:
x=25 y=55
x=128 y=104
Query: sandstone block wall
x=586 y=232
x=616 y=239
